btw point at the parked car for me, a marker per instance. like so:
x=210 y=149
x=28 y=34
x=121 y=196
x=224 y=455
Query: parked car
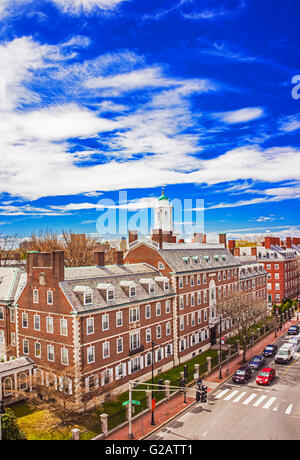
x=265 y=376
x=294 y=330
x=257 y=362
x=295 y=341
x=242 y=375
x=270 y=350
x=284 y=354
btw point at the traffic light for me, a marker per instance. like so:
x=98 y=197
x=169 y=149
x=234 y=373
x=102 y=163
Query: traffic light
x=198 y=396
x=186 y=372
x=160 y=383
x=204 y=394
x=199 y=384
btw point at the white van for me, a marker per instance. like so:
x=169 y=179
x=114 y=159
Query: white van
x=284 y=354
x=295 y=341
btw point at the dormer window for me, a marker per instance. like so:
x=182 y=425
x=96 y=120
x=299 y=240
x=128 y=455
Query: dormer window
x=88 y=298
x=161 y=266
x=149 y=284
x=132 y=291
x=166 y=286
x=110 y=295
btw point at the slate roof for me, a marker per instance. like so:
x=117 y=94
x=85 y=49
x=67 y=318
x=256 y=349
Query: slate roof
x=184 y=259
x=113 y=275
x=12 y=281
x=15 y=365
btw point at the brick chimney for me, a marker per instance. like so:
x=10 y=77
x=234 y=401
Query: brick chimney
x=58 y=265
x=119 y=258
x=222 y=239
x=254 y=252
x=132 y=236
x=160 y=238
x=231 y=246
x=288 y=242
x=99 y=257
x=268 y=242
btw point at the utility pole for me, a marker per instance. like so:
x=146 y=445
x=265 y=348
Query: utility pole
x=130 y=435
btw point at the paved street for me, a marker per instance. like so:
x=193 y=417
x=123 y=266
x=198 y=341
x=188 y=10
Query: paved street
x=246 y=411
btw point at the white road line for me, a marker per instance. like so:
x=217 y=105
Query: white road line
x=269 y=403
x=260 y=400
x=239 y=397
x=249 y=399
x=231 y=395
x=289 y=409
x=276 y=407
x=220 y=395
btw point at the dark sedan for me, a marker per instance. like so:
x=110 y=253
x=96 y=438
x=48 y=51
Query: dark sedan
x=242 y=375
x=270 y=350
x=257 y=362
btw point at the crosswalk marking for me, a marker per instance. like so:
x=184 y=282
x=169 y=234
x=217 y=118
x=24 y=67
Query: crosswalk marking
x=220 y=395
x=289 y=409
x=249 y=399
x=269 y=403
x=231 y=395
x=260 y=400
x=239 y=397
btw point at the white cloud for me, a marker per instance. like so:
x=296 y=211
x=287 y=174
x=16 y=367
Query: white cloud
x=79 y=6
x=241 y=115
x=290 y=124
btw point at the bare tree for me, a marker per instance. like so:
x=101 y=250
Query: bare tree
x=243 y=309
x=54 y=394
x=8 y=250
x=79 y=248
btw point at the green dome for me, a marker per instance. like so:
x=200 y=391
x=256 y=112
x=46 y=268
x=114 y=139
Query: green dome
x=163 y=197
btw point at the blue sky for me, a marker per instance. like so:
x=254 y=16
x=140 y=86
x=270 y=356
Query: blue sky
x=102 y=96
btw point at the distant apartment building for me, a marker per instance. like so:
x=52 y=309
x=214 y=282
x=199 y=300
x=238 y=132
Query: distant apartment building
x=281 y=262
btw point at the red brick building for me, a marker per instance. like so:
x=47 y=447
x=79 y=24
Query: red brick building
x=281 y=262
x=89 y=329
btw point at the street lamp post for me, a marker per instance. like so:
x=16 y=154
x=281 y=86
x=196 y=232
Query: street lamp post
x=152 y=392
x=2 y=412
x=220 y=350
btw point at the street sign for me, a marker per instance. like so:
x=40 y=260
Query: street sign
x=137 y=403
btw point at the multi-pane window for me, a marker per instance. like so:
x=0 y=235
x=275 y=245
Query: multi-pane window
x=158 y=332
x=168 y=328
x=12 y=315
x=193 y=320
x=50 y=353
x=134 y=315
x=37 y=350
x=88 y=298
x=110 y=295
x=90 y=326
x=119 y=318
x=192 y=299
x=168 y=306
x=91 y=355
x=49 y=297
x=135 y=364
x=2 y=338
x=132 y=291
x=135 y=341
x=49 y=323
x=37 y=323
x=204 y=278
x=182 y=323
x=25 y=320
x=120 y=345
x=35 y=296
x=148 y=335
x=13 y=338
x=65 y=356
x=198 y=280
x=105 y=322
x=151 y=288
x=1 y=313
x=158 y=309
x=148 y=311
x=63 y=327
x=25 y=347
x=180 y=283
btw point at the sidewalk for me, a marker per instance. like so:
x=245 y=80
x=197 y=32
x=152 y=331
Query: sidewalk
x=168 y=410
